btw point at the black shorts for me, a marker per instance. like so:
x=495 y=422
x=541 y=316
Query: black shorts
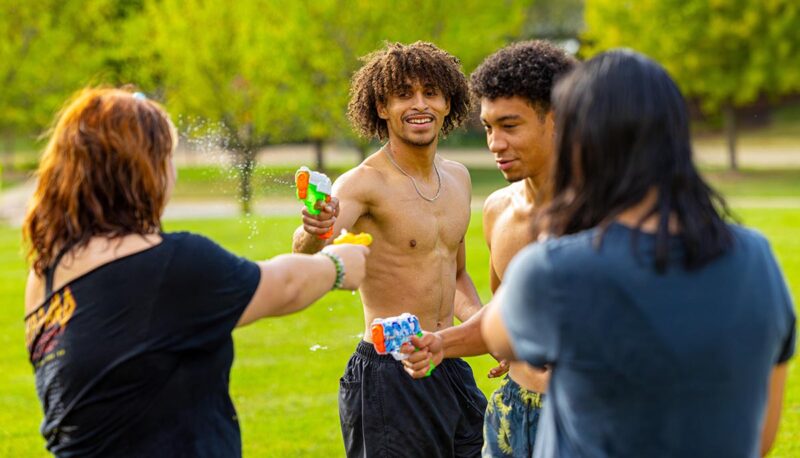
x=386 y=413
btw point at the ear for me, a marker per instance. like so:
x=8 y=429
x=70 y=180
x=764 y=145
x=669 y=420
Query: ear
x=383 y=113
x=447 y=108
x=550 y=122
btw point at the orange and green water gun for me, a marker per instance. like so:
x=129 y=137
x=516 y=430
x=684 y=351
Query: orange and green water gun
x=313 y=187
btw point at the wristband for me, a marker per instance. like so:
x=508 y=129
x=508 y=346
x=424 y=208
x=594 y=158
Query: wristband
x=337 y=262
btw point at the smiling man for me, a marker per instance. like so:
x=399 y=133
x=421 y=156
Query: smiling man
x=417 y=207
x=514 y=86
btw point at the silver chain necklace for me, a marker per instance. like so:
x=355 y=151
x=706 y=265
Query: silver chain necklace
x=413 y=181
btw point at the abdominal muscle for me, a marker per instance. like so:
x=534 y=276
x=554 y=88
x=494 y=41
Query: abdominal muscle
x=422 y=284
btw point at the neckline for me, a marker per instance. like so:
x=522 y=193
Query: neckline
x=390 y=154
x=96 y=268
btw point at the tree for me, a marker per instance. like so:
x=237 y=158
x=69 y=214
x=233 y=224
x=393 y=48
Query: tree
x=49 y=50
x=724 y=53
x=332 y=38
x=274 y=72
x=227 y=66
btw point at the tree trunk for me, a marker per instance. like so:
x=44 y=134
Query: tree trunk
x=319 y=155
x=246 y=164
x=729 y=115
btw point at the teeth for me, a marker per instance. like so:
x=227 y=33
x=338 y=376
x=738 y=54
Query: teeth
x=419 y=121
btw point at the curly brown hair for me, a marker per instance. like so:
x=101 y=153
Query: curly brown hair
x=387 y=70
x=526 y=69
x=105 y=171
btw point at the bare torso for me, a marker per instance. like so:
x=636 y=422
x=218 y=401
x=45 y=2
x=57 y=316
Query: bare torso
x=507 y=220
x=412 y=265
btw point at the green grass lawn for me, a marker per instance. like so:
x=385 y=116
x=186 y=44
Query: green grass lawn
x=286 y=394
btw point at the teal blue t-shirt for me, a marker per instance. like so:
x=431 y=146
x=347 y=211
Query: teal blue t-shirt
x=648 y=364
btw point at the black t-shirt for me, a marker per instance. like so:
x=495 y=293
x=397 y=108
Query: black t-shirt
x=133 y=358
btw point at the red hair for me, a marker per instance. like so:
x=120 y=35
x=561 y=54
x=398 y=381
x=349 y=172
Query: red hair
x=104 y=172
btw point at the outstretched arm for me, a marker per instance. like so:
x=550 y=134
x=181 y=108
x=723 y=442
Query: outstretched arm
x=495 y=332
x=454 y=342
x=292 y=282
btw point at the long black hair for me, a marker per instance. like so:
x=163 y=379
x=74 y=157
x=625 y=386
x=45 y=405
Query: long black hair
x=622 y=130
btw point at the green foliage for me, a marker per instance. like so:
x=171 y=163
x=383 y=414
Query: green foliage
x=720 y=51
x=274 y=72
x=277 y=72
x=48 y=50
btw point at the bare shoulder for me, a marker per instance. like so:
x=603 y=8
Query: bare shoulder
x=34 y=292
x=456 y=169
x=498 y=201
x=360 y=180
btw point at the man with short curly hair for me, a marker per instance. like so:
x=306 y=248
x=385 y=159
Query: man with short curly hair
x=513 y=86
x=417 y=207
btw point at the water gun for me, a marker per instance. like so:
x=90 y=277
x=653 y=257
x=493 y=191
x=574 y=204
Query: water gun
x=348 y=237
x=389 y=335
x=313 y=187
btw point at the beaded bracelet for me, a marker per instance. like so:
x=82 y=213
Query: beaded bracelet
x=337 y=261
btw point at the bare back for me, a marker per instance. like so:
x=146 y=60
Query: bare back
x=412 y=265
x=507 y=216
x=77 y=262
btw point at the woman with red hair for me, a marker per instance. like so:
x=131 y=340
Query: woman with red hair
x=129 y=328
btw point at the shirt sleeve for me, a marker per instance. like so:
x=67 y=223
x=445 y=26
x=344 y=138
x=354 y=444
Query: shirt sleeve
x=786 y=308
x=789 y=345
x=527 y=308
x=206 y=292
x=789 y=342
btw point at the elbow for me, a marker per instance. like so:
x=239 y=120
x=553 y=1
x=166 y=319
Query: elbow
x=291 y=296
x=283 y=288
x=767 y=440
x=487 y=335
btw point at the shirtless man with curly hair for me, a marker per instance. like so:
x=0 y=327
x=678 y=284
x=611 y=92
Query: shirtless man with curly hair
x=417 y=207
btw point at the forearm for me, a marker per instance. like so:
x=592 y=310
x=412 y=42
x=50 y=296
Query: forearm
x=464 y=339
x=467 y=302
x=494 y=332
x=289 y=283
x=303 y=242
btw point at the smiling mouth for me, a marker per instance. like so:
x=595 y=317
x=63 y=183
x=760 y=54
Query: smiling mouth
x=419 y=119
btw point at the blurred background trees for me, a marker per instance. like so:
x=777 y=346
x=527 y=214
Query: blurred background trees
x=725 y=54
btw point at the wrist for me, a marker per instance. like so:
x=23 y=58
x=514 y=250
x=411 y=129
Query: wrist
x=338 y=265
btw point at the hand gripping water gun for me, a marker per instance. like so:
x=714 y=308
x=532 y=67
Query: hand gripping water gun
x=389 y=334
x=313 y=187
x=348 y=237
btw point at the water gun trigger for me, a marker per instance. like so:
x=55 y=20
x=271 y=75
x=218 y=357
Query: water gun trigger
x=377 y=339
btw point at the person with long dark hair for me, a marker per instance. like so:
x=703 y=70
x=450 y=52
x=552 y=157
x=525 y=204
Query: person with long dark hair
x=667 y=326
x=128 y=328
